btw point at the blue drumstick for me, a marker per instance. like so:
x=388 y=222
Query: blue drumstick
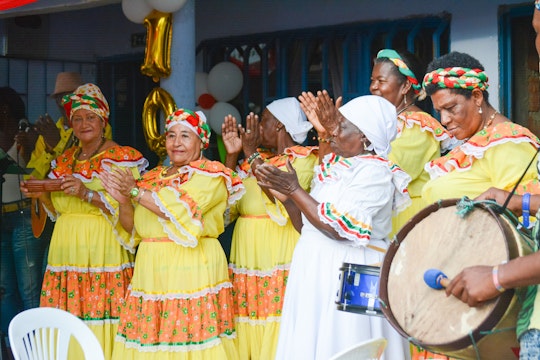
x=436 y=279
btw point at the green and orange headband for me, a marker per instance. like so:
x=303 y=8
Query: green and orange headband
x=394 y=57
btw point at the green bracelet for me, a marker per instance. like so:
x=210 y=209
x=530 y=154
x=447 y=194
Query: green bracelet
x=253 y=156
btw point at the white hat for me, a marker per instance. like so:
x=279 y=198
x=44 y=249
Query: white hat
x=376 y=117
x=289 y=113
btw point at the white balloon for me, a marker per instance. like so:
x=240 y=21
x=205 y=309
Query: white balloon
x=201 y=84
x=218 y=113
x=136 y=10
x=167 y=6
x=225 y=81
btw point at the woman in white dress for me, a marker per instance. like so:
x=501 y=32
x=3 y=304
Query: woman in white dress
x=347 y=215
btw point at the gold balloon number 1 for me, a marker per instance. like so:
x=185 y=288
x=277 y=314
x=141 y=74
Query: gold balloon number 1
x=157 y=64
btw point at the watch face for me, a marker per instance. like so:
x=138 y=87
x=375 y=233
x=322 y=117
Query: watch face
x=134 y=192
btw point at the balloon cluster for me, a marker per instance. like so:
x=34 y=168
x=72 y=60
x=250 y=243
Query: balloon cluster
x=213 y=91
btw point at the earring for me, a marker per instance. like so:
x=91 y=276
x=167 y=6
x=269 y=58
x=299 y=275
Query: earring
x=480 y=110
x=405 y=99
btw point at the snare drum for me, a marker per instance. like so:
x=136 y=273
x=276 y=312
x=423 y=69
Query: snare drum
x=359 y=289
x=437 y=237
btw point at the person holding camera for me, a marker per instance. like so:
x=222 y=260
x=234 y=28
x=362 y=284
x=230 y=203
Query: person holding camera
x=21 y=254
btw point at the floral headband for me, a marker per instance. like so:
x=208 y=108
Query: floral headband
x=394 y=57
x=89 y=97
x=457 y=78
x=193 y=121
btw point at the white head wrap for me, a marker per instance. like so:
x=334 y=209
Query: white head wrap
x=376 y=117
x=289 y=113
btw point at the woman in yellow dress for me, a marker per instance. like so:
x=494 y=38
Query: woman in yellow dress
x=179 y=303
x=90 y=261
x=264 y=236
x=420 y=138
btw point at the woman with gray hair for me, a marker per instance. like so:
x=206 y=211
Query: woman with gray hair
x=264 y=236
x=347 y=217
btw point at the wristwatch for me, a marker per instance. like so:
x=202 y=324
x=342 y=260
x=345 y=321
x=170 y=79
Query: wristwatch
x=134 y=192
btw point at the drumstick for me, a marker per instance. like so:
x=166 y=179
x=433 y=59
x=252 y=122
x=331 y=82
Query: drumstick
x=436 y=279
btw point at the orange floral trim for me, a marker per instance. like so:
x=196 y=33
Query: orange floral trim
x=258 y=296
x=92 y=296
x=176 y=324
x=124 y=156
x=290 y=153
x=462 y=157
x=532 y=187
x=426 y=122
x=153 y=179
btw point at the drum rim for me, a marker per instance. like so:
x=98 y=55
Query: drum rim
x=501 y=303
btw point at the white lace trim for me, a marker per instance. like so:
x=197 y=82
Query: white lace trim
x=101 y=322
x=254 y=322
x=87 y=269
x=162 y=297
x=474 y=153
x=235 y=191
x=258 y=273
x=130 y=244
x=173 y=348
x=193 y=241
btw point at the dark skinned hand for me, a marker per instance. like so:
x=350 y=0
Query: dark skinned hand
x=327 y=112
x=251 y=137
x=46 y=127
x=270 y=177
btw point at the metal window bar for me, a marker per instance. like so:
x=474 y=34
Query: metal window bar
x=358 y=43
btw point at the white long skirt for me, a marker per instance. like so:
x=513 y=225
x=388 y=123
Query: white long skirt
x=311 y=326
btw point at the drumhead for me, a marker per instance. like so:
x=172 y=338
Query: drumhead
x=438 y=238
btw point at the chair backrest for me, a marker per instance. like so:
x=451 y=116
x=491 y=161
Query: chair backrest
x=367 y=350
x=45 y=333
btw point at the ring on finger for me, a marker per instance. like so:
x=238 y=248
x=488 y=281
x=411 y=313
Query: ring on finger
x=248 y=131
x=73 y=190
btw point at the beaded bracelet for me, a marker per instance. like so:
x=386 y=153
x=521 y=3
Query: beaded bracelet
x=90 y=196
x=323 y=140
x=253 y=156
x=526 y=209
x=495 y=277
x=140 y=196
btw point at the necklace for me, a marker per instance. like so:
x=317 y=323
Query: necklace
x=490 y=120
x=165 y=171
x=78 y=152
x=405 y=108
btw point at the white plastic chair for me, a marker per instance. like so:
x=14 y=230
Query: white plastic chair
x=44 y=334
x=367 y=350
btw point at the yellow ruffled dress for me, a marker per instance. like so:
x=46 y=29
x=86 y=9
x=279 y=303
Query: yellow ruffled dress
x=262 y=246
x=90 y=261
x=179 y=304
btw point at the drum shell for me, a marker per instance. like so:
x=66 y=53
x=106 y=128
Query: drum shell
x=439 y=238
x=358 y=290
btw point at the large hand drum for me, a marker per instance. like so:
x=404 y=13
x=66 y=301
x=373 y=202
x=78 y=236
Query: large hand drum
x=437 y=237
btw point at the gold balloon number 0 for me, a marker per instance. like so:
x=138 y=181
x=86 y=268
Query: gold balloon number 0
x=157 y=58
x=158 y=99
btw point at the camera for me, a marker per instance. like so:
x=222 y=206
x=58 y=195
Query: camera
x=24 y=125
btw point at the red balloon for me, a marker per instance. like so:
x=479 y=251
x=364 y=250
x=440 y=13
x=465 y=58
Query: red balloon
x=206 y=101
